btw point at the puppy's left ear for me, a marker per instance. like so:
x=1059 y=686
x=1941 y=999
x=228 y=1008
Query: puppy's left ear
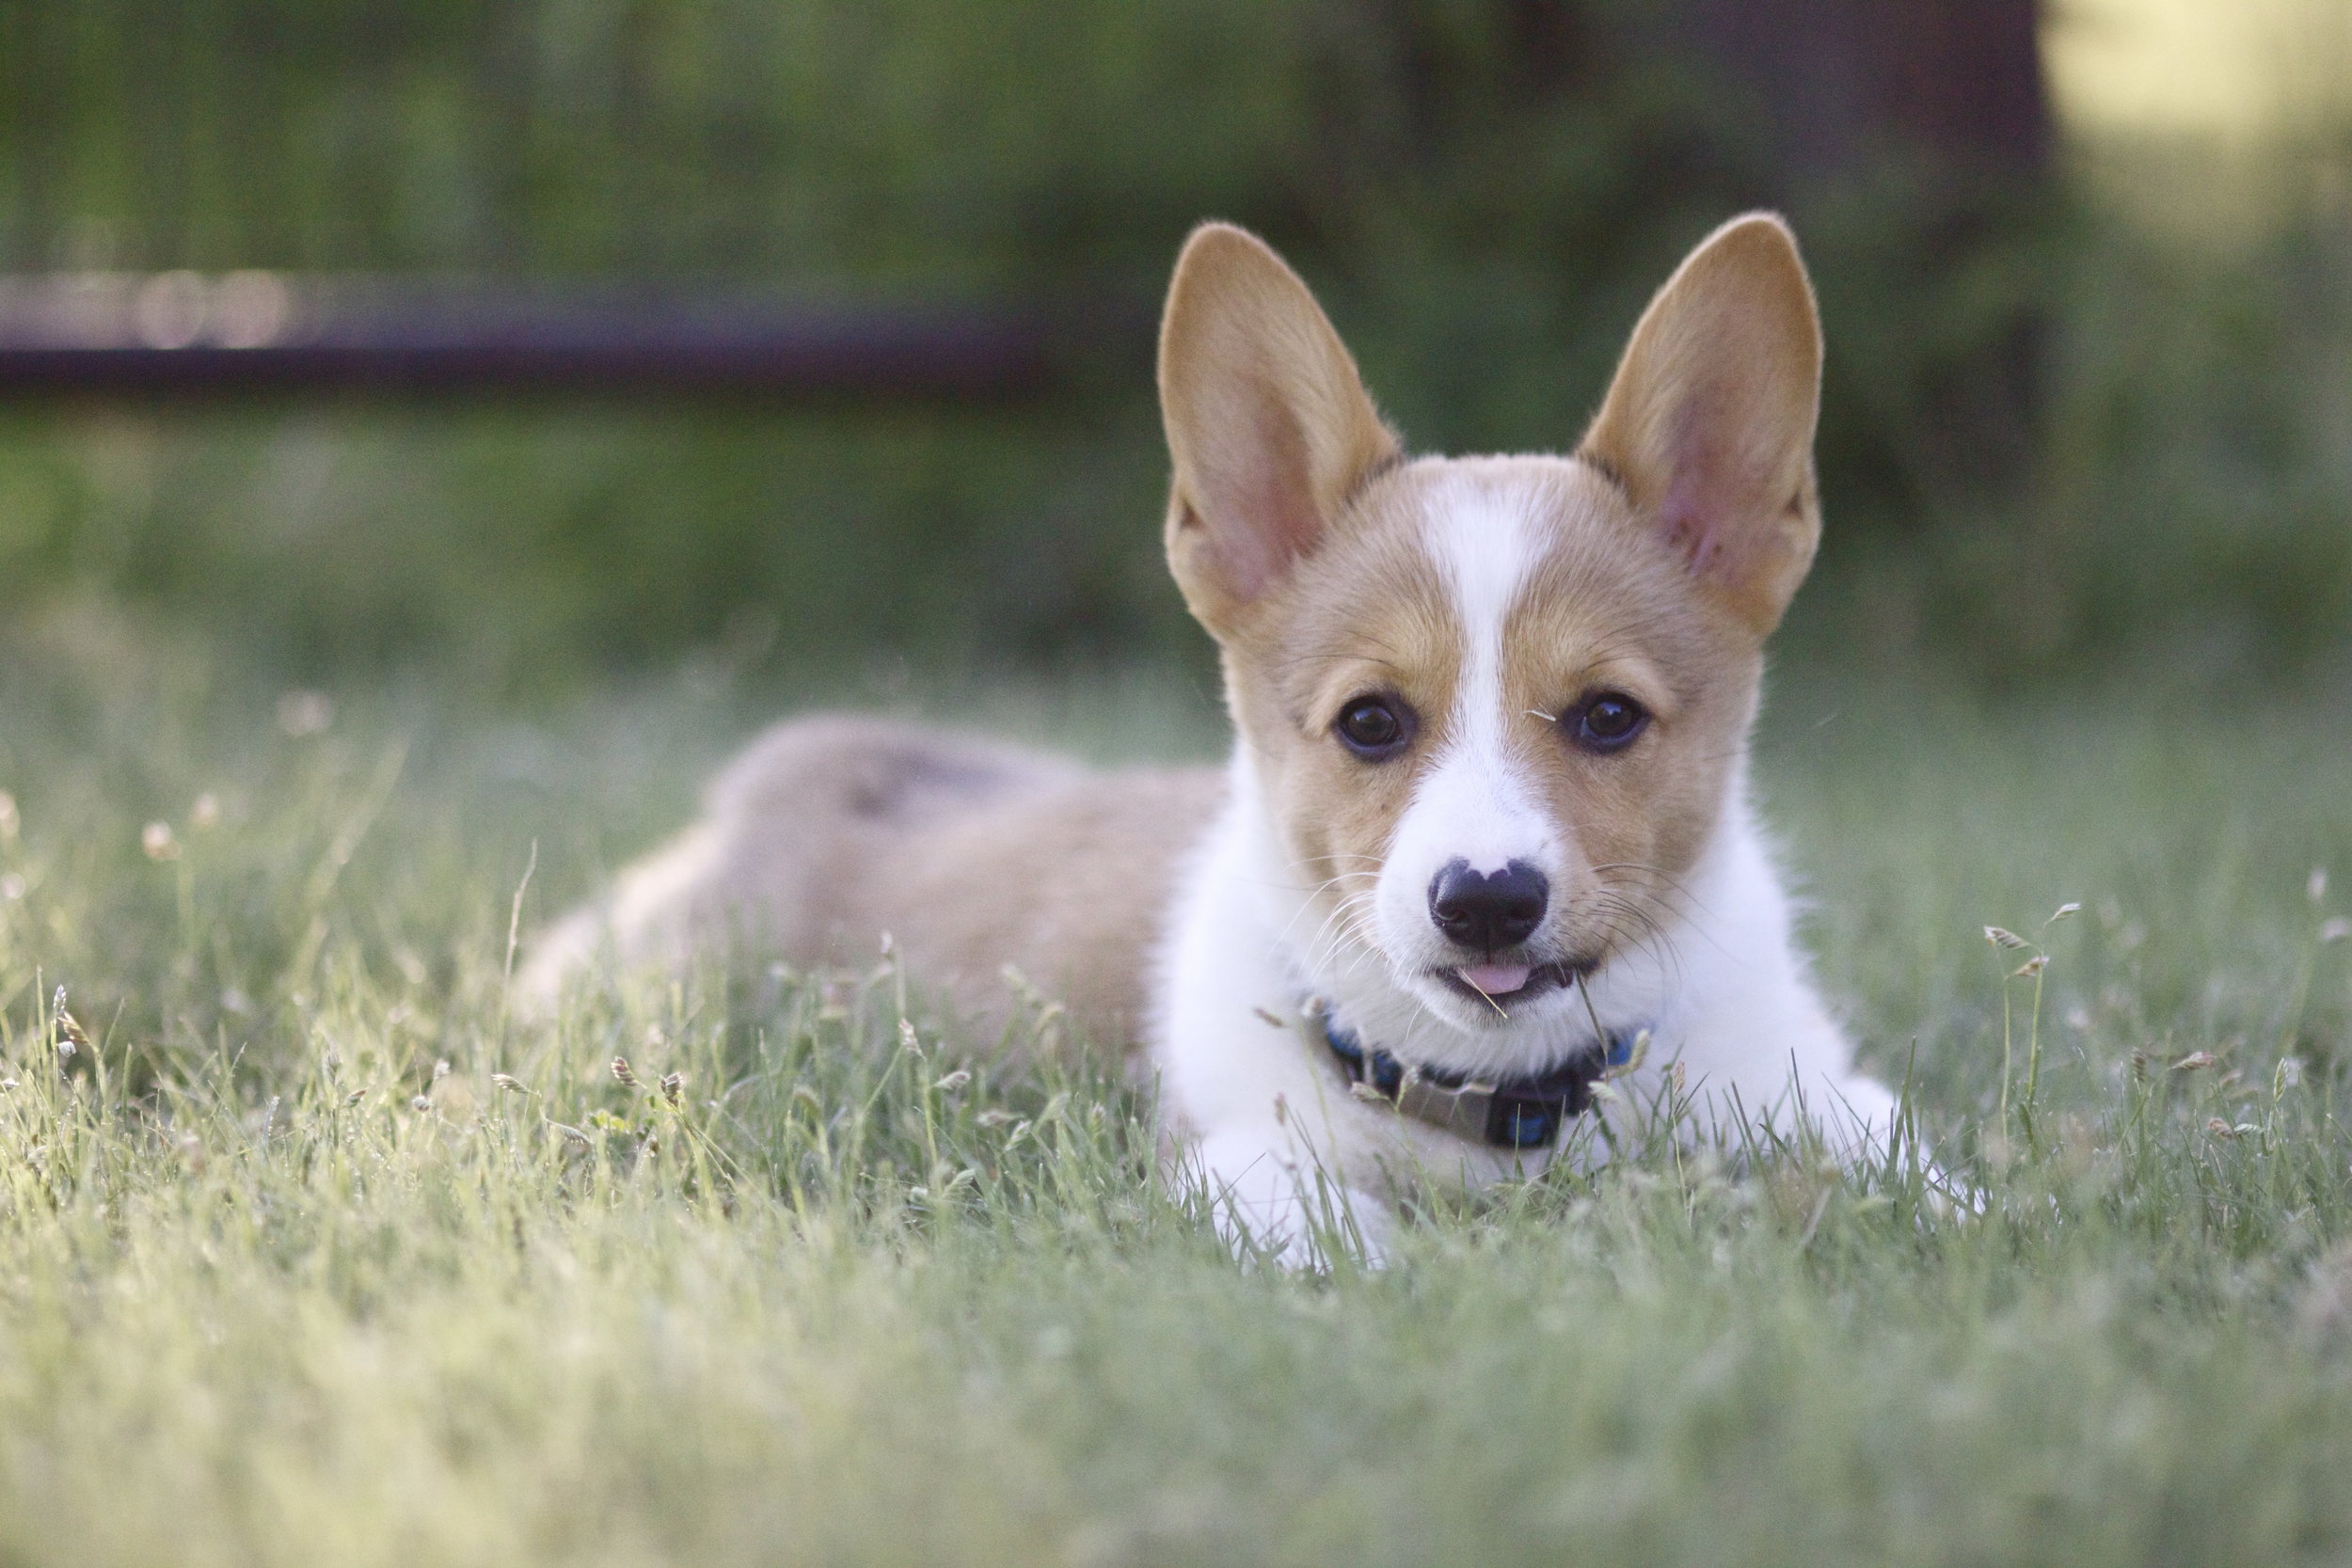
x=1710 y=423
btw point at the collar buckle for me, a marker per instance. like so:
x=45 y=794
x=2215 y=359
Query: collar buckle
x=1514 y=1113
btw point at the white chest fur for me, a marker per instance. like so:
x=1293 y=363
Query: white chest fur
x=1271 y=1128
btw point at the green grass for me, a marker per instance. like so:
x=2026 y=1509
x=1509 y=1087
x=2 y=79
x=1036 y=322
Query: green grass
x=276 y=1288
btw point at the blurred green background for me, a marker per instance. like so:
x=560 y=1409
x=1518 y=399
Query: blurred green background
x=2089 y=309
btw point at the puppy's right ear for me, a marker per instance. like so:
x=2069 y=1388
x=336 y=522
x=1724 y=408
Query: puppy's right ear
x=1269 y=424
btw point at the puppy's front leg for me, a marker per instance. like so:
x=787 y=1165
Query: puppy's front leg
x=1269 y=1196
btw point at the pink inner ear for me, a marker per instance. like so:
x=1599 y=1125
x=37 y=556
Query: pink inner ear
x=1267 y=518
x=1700 y=494
x=1684 y=516
x=1716 y=494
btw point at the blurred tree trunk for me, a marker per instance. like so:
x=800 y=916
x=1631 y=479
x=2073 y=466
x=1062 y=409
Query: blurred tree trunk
x=1941 y=103
x=1845 y=80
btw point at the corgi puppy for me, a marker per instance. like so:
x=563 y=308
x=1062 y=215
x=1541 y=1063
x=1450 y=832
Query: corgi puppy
x=1485 y=838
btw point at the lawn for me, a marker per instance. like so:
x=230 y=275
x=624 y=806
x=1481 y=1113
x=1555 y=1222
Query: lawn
x=309 y=1252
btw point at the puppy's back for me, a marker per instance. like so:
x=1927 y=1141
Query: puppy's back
x=831 y=830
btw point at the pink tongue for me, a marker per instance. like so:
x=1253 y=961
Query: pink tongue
x=1497 y=979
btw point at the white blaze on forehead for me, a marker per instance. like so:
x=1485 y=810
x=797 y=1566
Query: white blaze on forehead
x=1484 y=542
x=1474 y=804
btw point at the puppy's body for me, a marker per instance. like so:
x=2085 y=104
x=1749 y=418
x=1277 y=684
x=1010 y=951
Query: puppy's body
x=973 y=856
x=1486 y=821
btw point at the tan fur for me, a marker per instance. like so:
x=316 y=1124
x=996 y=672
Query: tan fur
x=1269 y=429
x=831 y=830
x=1710 y=423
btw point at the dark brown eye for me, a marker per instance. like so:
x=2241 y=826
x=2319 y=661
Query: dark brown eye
x=1607 y=723
x=1375 y=728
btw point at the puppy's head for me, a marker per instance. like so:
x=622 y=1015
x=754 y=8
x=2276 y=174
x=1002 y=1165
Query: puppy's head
x=1495 y=705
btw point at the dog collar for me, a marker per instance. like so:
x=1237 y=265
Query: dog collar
x=1510 y=1113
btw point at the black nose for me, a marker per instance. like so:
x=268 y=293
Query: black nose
x=1488 y=910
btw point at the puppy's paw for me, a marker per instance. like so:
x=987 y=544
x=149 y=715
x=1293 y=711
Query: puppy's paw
x=1267 y=1205
x=1303 y=1242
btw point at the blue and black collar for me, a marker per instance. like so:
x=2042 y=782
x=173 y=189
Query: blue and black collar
x=1511 y=1113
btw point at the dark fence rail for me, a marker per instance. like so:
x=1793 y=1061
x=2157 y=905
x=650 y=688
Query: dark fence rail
x=187 y=333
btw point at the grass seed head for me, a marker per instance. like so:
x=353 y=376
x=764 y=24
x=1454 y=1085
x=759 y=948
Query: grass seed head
x=623 y=1072
x=2032 y=966
x=1634 y=1058
x=2196 y=1061
x=156 y=838
x=674 y=1087
x=2001 y=938
x=511 y=1083
x=2064 y=911
x=71 y=1036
